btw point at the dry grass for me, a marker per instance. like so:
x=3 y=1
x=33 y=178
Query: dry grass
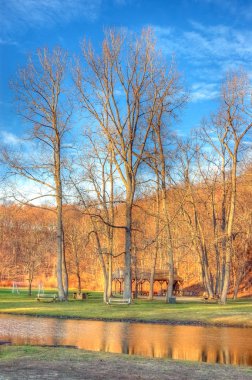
x=59 y=363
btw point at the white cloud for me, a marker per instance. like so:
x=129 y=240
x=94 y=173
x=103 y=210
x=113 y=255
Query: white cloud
x=18 y=15
x=9 y=138
x=209 y=51
x=204 y=91
x=21 y=190
x=221 y=41
x=216 y=44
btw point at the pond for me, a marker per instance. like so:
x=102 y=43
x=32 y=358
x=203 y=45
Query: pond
x=225 y=345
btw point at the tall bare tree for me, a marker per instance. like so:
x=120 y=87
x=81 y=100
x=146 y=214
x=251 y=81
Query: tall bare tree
x=44 y=103
x=230 y=125
x=170 y=98
x=120 y=100
x=120 y=88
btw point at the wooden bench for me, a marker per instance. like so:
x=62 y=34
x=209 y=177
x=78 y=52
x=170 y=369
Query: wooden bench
x=47 y=297
x=207 y=299
x=118 y=301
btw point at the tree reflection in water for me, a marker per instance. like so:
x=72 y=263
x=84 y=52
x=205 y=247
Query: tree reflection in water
x=207 y=344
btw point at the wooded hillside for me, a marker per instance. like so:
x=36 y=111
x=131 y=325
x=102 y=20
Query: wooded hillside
x=28 y=245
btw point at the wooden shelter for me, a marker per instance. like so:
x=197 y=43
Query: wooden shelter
x=141 y=282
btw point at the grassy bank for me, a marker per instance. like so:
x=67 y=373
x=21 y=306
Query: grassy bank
x=234 y=313
x=61 y=363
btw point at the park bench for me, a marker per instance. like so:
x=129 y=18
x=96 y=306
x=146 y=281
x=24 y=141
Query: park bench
x=118 y=301
x=47 y=297
x=207 y=299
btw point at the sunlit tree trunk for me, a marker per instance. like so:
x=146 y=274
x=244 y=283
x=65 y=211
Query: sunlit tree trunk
x=60 y=234
x=229 y=239
x=157 y=232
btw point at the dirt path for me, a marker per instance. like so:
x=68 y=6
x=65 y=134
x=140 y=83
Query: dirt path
x=117 y=368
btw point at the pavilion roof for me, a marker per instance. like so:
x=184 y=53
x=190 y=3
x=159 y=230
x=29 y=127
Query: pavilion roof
x=143 y=275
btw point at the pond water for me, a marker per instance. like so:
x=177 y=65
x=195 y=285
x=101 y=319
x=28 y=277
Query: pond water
x=207 y=344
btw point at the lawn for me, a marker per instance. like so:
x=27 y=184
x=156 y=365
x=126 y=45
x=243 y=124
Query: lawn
x=234 y=313
x=59 y=363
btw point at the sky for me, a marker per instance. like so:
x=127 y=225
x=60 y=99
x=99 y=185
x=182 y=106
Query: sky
x=206 y=37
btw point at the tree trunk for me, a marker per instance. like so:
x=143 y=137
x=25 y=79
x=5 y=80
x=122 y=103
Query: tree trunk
x=208 y=283
x=200 y=250
x=105 y=290
x=152 y=276
x=109 y=271
x=170 y=265
x=229 y=246
x=201 y=246
x=109 y=291
x=64 y=269
x=226 y=279
x=127 y=268
x=153 y=268
x=111 y=230
x=237 y=282
x=59 y=250
x=60 y=237
x=79 y=282
x=77 y=265
x=166 y=216
x=30 y=285
x=168 y=241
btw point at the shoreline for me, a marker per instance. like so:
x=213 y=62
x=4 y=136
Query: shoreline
x=194 y=323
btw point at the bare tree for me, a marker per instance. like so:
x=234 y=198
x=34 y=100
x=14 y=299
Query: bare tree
x=170 y=99
x=194 y=206
x=120 y=101
x=44 y=103
x=230 y=126
x=120 y=89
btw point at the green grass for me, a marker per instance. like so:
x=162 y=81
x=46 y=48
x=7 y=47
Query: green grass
x=234 y=313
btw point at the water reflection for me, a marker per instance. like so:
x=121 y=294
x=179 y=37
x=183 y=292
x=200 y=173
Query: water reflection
x=207 y=344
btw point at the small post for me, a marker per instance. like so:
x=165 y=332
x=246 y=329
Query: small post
x=15 y=287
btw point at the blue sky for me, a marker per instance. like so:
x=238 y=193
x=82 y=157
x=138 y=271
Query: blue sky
x=207 y=38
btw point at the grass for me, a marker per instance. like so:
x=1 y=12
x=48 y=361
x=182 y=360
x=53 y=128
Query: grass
x=38 y=362
x=234 y=313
